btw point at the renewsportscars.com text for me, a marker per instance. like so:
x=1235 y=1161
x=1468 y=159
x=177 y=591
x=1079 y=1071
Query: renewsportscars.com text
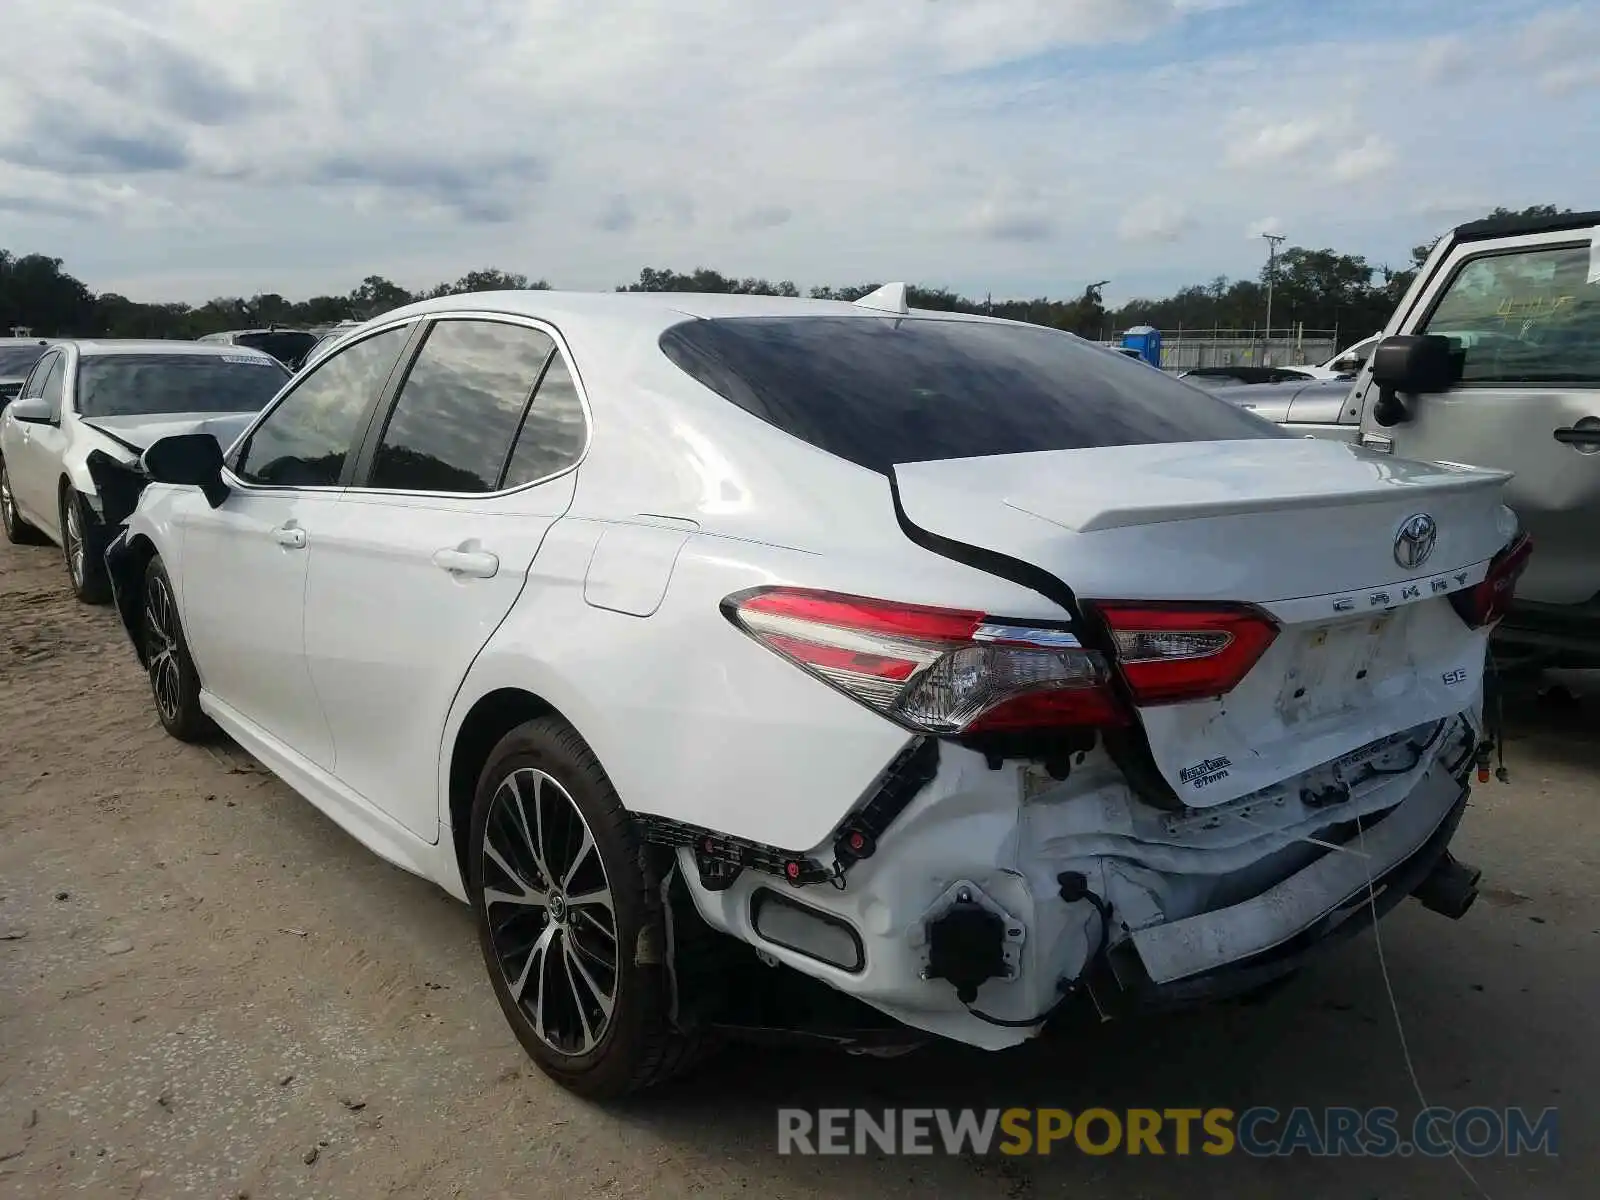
x=1261 y=1132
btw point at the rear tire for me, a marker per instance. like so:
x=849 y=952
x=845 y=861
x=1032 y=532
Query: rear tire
x=174 y=683
x=83 y=542
x=561 y=902
x=18 y=531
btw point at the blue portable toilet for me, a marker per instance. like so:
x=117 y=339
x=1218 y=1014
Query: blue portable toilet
x=1146 y=339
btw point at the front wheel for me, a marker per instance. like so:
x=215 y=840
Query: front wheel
x=83 y=541
x=561 y=902
x=174 y=682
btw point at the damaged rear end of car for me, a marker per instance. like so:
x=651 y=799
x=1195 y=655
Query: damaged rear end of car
x=1246 y=733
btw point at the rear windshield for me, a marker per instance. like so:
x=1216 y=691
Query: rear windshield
x=131 y=385
x=880 y=392
x=17 y=361
x=285 y=345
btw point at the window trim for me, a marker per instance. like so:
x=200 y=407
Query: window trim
x=1456 y=270
x=42 y=361
x=380 y=420
x=358 y=439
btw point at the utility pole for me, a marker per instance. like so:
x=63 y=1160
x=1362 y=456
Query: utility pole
x=1273 y=241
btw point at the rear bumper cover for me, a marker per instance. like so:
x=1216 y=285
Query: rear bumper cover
x=1204 y=905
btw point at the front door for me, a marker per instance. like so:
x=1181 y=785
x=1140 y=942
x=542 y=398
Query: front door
x=245 y=563
x=35 y=466
x=432 y=546
x=1528 y=321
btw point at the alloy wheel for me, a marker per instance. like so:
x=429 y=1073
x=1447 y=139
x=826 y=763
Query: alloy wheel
x=161 y=646
x=550 y=911
x=72 y=536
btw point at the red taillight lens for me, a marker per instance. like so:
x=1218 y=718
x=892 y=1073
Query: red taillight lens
x=934 y=670
x=1172 y=652
x=1488 y=602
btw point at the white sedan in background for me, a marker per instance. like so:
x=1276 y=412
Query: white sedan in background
x=952 y=666
x=113 y=398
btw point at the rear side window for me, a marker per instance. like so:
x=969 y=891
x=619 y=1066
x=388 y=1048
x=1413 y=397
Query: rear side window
x=883 y=391
x=457 y=415
x=553 y=434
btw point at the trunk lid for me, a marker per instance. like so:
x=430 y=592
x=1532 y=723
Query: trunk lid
x=1307 y=530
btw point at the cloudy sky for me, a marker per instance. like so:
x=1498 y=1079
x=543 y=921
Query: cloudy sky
x=180 y=149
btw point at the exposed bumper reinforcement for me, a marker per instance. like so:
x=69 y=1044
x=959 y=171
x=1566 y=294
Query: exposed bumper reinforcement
x=1179 y=949
x=1126 y=992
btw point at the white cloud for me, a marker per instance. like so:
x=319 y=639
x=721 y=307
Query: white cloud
x=1157 y=219
x=1275 y=141
x=1372 y=156
x=298 y=147
x=1264 y=227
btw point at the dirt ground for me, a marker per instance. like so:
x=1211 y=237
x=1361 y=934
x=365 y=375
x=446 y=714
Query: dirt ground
x=206 y=989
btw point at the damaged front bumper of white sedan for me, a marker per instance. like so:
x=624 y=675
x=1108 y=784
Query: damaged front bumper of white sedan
x=995 y=893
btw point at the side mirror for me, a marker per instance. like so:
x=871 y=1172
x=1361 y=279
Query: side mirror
x=190 y=460
x=1417 y=365
x=35 y=410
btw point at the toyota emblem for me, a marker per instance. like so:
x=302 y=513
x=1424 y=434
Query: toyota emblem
x=1414 y=543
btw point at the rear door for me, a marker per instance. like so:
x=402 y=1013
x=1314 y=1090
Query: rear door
x=424 y=558
x=1528 y=320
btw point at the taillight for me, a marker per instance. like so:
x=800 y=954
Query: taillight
x=1488 y=601
x=934 y=670
x=1170 y=652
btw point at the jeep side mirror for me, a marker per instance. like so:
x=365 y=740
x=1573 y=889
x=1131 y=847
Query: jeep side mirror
x=190 y=460
x=1415 y=365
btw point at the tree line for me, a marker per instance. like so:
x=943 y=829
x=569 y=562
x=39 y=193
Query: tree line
x=1320 y=289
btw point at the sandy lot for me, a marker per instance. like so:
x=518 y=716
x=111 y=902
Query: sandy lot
x=207 y=989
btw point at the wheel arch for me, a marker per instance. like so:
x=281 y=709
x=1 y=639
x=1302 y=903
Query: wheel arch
x=127 y=571
x=492 y=716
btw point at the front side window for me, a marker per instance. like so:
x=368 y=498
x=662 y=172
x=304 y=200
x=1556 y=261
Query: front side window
x=457 y=414
x=140 y=385
x=1526 y=316
x=881 y=391
x=305 y=440
x=33 y=387
x=53 y=387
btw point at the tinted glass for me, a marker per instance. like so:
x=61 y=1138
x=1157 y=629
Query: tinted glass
x=17 y=361
x=305 y=440
x=133 y=385
x=285 y=345
x=880 y=392
x=553 y=434
x=458 y=412
x=1530 y=316
x=51 y=389
x=34 y=386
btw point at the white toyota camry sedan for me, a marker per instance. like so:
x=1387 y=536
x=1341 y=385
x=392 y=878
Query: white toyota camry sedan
x=860 y=674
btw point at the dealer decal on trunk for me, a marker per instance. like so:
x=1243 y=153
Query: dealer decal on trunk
x=1205 y=772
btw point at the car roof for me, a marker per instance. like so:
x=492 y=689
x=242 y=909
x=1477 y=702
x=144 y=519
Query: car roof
x=651 y=310
x=1498 y=227
x=95 y=347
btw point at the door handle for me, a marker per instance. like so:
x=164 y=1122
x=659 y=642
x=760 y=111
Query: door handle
x=1583 y=438
x=477 y=564
x=291 y=537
